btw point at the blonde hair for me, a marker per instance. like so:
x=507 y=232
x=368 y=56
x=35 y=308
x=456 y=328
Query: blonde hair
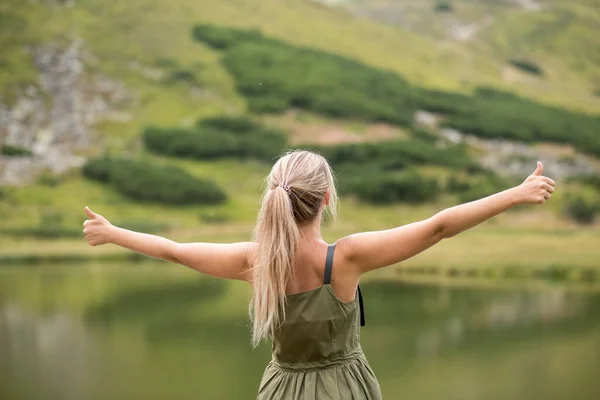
x=294 y=195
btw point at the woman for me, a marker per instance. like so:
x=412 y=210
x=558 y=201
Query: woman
x=305 y=292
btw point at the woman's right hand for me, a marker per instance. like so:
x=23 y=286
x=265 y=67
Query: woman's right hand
x=97 y=229
x=536 y=189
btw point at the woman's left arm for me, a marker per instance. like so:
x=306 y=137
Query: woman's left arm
x=220 y=260
x=371 y=250
x=535 y=190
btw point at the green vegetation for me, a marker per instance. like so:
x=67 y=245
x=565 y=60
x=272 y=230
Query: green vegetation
x=493 y=114
x=443 y=6
x=216 y=138
x=526 y=65
x=395 y=154
x=14 y=151
x=275 y=76
x=582 y=210
x=159 y=36
x=388 y=187
x=385 y=172
x=50 y=226
x=146 y=182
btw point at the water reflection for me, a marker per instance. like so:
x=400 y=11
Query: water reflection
x=160 y=335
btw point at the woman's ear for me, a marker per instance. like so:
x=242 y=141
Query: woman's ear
x=327 y=198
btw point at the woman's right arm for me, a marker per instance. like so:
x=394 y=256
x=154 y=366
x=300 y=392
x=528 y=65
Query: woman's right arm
x=371 y=250
x=220 y=260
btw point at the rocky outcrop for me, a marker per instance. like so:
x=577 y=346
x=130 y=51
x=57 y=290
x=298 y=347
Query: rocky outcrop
x=518 y=159
x=514 y=158
x=55 y=119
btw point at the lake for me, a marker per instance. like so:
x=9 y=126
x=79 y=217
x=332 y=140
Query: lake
x=159 y=331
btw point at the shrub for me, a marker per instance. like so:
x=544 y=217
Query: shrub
x=14 y=151
x=146 y=182
x=395 y=154
x=99 y=169
x=424 y=135
x=458 y=185
x=50 y=226
x=143 y=226
x=497 y=114
x=221 y=37
x=384 y=188
x=43 y=232
x=592 y=180
x=182 y=75
x=581 y=209
x=239 y=124
x=443 y=6
x=275 y=76
x=216 y=138
x=213 y=217
x=47 y=178
x=526 y=65
x=482 y=186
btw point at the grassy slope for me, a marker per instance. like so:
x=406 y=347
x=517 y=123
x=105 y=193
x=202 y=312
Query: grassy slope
x=561 y=38
x=126 y=34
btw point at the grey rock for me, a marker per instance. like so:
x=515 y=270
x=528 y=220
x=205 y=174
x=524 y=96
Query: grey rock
x=58 y=130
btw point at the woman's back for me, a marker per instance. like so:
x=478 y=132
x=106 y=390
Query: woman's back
x=316 y=350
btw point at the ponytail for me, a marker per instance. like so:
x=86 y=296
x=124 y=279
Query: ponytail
x=295 y=193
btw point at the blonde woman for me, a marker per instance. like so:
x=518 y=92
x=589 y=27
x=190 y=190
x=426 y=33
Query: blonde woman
x=306 y=298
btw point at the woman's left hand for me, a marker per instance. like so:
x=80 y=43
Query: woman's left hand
x=536 y=189
x=97 y=229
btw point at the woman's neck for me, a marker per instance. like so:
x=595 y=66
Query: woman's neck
x=311 y=232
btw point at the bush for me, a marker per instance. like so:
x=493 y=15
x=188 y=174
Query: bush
x=395 y=154
x=424 y=135
x=482 y=186
x=147 y=226
x=592 y=180
x=146 y=182
x=47 y=178
x=50 y=227
x=458 y=185
x=275 y=76
x=14 y=151
x=216 y=138
x=43 y=232
x=213 y=217
x=239 y=124
x=527 y=66
x=384 y=188
x=443 y=6
x=99 y=169
x=221 y=37
x=581 y=210
x=496 y=114
x=182 y=75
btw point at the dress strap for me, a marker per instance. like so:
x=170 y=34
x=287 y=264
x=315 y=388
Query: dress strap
x=329 y=264
x=327 y=281
x=362 y=307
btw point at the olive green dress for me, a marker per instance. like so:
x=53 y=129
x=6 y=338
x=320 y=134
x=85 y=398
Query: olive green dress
x=316 y=351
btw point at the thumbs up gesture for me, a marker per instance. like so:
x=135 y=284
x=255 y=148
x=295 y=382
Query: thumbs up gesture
x=96 y=229
x=536 y=189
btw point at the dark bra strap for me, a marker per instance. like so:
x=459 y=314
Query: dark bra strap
x=327 y=281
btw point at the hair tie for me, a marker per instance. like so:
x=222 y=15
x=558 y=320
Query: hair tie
x=286 y=187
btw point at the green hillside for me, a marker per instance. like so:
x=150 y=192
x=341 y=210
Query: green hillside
x=197 y=111
x=559 y=36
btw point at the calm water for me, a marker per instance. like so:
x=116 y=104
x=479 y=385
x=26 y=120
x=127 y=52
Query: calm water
x=159 y=331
